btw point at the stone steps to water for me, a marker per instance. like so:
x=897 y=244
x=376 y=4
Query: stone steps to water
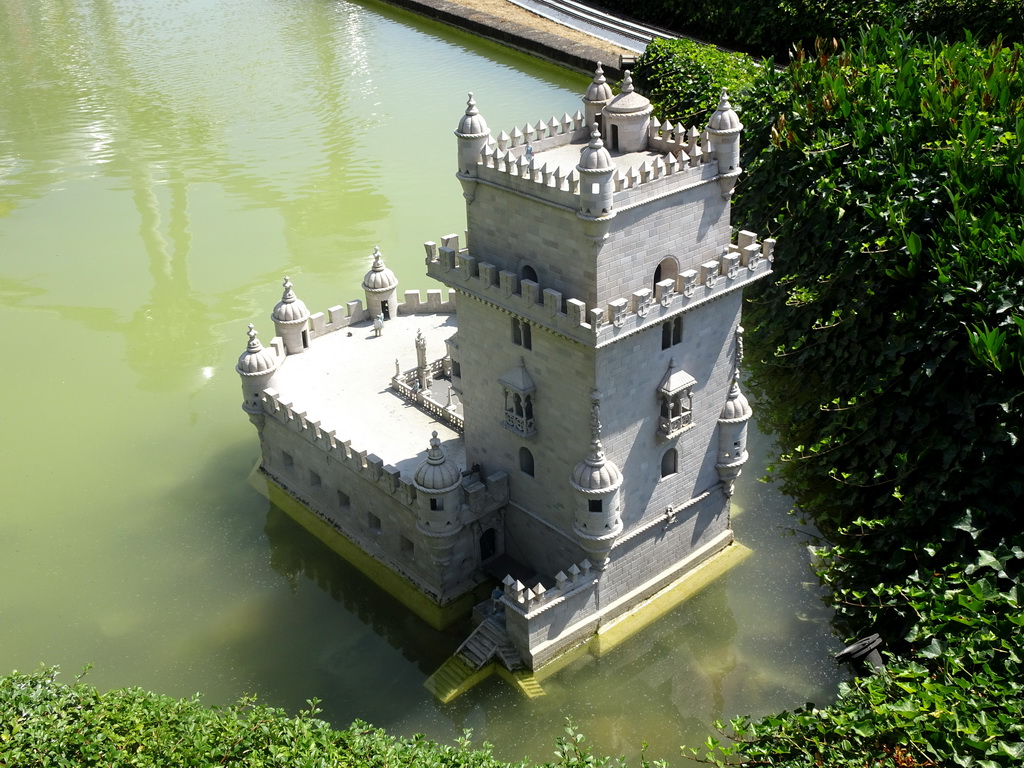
x=454 y=677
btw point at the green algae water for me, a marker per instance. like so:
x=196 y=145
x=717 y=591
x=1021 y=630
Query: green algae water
x=162 y=166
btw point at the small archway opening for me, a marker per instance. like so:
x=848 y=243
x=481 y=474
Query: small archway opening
x=488 y=544
x=668 y=462
x=667 y=269
x=526 y=461
x=529 y=273
x=385 y=310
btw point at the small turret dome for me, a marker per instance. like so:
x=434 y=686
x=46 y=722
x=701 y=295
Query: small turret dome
x=736 y=406
x=289 y=309
x=596 y=474
x=379 y=278
x=594 y=156
x=599 y=89
x=255 y=360
x=437 y=473
x=473 y=123
x=724 y=118
x=628 y=101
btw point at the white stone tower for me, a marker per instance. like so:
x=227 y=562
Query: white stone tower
x=601 y=261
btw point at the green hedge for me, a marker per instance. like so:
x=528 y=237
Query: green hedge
x=683 y=79
x=773 y=27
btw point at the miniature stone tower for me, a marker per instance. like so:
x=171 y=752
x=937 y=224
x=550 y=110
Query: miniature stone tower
x=598 y=311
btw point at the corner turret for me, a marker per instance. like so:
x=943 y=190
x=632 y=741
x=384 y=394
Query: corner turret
x=257 y=367
x=380 y=286
x=596 y=98
x=291 y=321
x=438 y=482
x=732 y=427
x=596 y=169
x=473 y=135
x=596 y=481
x=724 y=129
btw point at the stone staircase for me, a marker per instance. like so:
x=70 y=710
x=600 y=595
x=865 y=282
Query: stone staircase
x=486 y=650
x=489 y=642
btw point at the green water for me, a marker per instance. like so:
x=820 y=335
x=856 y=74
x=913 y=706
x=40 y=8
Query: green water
x=162 y=166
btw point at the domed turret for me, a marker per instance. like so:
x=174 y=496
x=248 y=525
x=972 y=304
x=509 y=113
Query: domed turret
x=627 y=118
x=598 y=94
x=732 y=427
x=473 y=135
x=380 y=286
x=437 y=474
x=596 y=169
x=596 y=480
x=291 y=320
x=724 y=129
x=257 y=367
x=438 y=483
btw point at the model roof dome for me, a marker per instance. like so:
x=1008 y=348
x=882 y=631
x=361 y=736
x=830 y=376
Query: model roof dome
x=289 y=309
x=594 y=156
x=628 y=101
x=379 y=278
x=724 y=118
x=437 y=473
x=255 y=360
x=596 y=474
x=472 y=123
x=736 y=406
x=599 y=89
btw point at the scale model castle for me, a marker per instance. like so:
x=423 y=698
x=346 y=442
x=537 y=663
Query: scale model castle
x=576 y=440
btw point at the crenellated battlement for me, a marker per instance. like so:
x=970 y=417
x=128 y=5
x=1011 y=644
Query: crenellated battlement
x=742 y=262
x=517 y=161
x=530 y=603
x=367 y=465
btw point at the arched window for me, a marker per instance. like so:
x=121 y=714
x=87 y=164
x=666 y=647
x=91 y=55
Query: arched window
x=668 y=462
x=526 y=461
x=667 y=269
x=529 y=273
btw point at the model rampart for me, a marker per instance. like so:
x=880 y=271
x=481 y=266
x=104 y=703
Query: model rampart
x=743 y=261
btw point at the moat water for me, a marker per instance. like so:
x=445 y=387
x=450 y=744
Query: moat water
x=162 y=166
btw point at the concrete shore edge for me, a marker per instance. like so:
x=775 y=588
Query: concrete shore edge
x=559 y=50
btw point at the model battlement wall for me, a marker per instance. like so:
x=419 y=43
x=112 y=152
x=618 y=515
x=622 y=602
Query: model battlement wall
x=688 y=159
x=744 y=261
x=339 y=317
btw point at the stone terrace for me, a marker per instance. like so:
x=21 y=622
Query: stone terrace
x=345 y=383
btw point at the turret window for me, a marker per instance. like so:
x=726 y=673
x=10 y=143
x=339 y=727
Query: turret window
x=436 y=503
x=595 y=505
x=521 y=333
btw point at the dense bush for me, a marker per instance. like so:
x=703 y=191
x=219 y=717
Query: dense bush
x=47 y=723
x=888 y=357
x=683 y=79
x=891 y=174
x=771 y=28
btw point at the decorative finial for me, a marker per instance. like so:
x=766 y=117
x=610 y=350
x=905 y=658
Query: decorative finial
x=289 y=294
x=595 y=136
x=471 y=109
x=254 y=343
x=378 y=263
x=723 y=100
x=627 y=82
x=599 y=77
x=595 y=414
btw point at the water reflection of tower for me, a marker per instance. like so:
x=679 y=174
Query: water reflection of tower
x=136 y=124
x=296 y=554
